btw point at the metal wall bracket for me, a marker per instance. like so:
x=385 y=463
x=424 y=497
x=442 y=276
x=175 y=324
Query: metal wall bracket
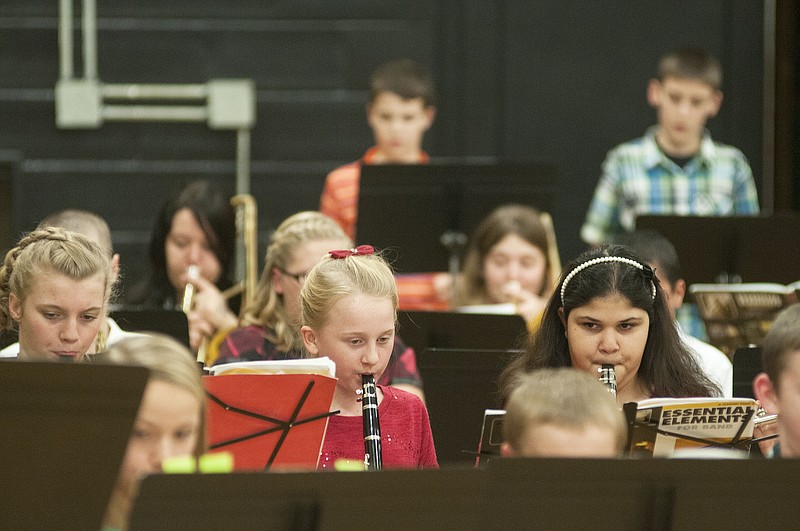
x=87 y=103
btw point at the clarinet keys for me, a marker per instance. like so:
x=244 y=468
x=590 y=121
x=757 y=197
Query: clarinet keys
x=372 y=428
x=608 y=378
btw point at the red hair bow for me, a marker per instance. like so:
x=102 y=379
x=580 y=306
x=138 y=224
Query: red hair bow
x=361 y=250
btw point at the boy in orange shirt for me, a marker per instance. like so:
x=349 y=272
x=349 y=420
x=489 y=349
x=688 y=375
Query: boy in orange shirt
x=400 y=110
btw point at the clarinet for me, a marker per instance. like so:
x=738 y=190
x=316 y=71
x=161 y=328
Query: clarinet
x=609 y=378
x=372 y=427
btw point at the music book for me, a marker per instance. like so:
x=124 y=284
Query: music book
x=741 y=314
x=491 y=435
x=269 y=421
x=662 y=427
x=324 y=366
x=506 y=308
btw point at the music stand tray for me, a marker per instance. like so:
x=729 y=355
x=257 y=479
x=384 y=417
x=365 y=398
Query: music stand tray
x=269 y=420
x=460 y=384
x=420 y=330
x=65 y=430
x=419 y=499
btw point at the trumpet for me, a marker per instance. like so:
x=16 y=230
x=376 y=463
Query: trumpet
x=247 y=249
x=193 y=272
x=188 y=292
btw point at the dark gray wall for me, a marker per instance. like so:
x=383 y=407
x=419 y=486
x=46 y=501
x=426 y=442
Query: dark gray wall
x=553 y=81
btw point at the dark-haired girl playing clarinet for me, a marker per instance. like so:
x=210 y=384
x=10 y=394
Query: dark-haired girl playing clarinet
x=608 y=309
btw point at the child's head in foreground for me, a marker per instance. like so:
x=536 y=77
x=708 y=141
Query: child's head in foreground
x=778 y=387
x=171 y=418
x=562 y=412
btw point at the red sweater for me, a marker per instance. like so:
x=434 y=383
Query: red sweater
x=406 y=439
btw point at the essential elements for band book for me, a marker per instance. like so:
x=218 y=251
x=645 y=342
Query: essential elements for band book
x=661 y=427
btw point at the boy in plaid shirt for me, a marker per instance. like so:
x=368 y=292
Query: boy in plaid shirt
x=676 y=168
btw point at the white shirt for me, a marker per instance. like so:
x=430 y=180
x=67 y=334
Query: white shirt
x=713 y=361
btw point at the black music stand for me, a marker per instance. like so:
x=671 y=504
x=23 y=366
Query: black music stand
x=170 y=322
x=65 y=429
x=625 y=494
x=460 y=384
x=746 y=365
x=420 y=330
x=491 y=436
x=767 y=248
x=733 y=249
x=705 y=245
x=558 y=493
x=635 y=494
x=407 y=208
x=403 y=499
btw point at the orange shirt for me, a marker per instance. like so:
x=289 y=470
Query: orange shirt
x=339 y=199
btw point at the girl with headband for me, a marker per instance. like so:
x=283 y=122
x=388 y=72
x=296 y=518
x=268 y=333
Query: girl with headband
x=609 y=310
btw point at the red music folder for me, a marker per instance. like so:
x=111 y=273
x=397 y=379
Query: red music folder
x=269 y=420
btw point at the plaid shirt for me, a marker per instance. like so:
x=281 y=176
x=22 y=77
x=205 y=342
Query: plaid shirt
x=638 y=178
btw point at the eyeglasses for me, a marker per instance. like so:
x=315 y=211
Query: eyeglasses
x=298 y=277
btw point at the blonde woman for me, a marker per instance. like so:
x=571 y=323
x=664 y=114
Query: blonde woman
x=171 y=418
x=55 y=288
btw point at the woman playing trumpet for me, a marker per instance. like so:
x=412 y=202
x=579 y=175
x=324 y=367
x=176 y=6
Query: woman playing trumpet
x=196 y=228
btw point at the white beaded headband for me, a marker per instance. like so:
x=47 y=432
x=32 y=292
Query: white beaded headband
x=601 y=260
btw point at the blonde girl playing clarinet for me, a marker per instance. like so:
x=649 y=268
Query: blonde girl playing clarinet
x=349 y=308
